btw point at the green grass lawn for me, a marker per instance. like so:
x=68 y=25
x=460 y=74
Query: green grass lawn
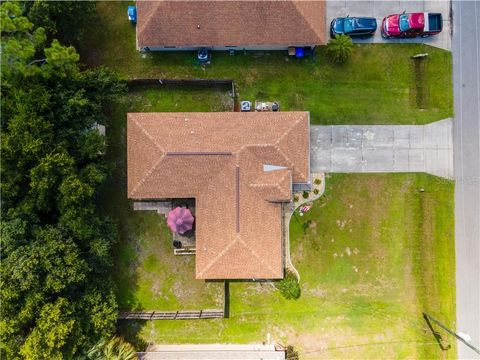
x=150 y=277
x=370 y=265
x=378 y=85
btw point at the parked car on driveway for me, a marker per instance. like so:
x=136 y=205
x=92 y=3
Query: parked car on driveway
x=411 y=25
x=353 y=26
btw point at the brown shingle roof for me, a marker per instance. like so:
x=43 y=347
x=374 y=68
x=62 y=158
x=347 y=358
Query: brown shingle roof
x=219 y=158
x=225 y=23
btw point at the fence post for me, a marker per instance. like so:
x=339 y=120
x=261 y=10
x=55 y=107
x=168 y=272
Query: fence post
x=226 y=299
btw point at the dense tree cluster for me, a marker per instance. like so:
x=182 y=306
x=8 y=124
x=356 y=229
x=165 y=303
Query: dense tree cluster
x=56 y=293
x=64 y=20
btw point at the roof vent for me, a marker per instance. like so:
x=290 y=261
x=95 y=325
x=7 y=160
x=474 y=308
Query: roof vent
x=198 y=26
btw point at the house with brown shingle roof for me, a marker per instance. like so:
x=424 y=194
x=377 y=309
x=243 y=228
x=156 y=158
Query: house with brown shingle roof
x=225 y=25
x=240 y=169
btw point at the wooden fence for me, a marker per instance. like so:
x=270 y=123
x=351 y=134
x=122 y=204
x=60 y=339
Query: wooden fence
x=171 y=315
x=190 y=82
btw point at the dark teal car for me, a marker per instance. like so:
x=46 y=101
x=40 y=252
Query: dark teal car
x=362 y=27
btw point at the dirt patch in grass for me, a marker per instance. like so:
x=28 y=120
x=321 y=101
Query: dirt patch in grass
x=419 y=86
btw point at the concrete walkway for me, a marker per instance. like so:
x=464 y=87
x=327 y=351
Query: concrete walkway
x=383 y=148
x=213 y=351
x=379 y=9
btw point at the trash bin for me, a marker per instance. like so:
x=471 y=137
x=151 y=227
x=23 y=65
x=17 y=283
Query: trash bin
x=299 y=53
x=132 y=14
x=245 y=105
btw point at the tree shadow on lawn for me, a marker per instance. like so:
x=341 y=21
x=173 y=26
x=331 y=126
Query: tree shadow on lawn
x=131 y=330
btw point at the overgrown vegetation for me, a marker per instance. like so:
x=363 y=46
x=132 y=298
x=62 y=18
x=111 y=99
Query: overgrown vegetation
x=115 y=348
x=63 y=20
x=291 y=353
x=289 y=286
x=56 y=288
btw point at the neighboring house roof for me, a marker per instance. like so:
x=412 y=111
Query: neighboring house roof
x=230 y=23
x=238 y=167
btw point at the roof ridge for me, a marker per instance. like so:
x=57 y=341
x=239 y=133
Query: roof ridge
x=292 y=167
x=277 y=183
x=284 y=135
x=148 y=20
x=287 y=159
x=146 y=133
x=147 y=175
x=254 y=253
x=150 y=171
x=296 y=6
x=219 y=256
x=238 y=239
x=289 y=173
x=277 y=146
x=249 y=147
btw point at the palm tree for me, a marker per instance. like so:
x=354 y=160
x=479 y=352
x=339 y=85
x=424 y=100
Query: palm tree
x=340 y=48
x=115 y=348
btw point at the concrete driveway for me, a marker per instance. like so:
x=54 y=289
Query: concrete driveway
x=383 y=148
x=380 y=9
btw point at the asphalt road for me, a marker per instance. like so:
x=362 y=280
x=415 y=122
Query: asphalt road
x=466 y=77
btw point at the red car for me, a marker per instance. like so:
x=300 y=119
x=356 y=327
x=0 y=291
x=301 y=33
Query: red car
x=411 y=25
